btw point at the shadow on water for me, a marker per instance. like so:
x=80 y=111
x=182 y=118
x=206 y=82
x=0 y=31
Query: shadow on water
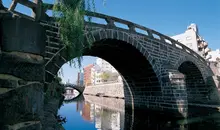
x=111 y=113
x=115 y=114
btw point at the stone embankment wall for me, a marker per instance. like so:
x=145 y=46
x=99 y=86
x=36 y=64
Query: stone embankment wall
x=106 y=90
x=22 y=47
x=215 y=66
x=110 y=103
x=23 y=103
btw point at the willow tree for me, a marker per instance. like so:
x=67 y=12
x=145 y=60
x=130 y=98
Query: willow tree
x=70 y=16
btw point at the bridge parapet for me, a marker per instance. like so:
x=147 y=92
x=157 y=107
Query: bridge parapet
x=35 y=5
x=39 y=8
x=80 y=89
x=133 y=28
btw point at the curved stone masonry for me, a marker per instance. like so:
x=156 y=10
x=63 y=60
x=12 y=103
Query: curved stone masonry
x=164 y=56
x=80 y=89
x=156 y=82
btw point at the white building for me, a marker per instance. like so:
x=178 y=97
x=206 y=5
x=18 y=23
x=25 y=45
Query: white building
x=193 y=40
x=105 y=66
x=214 y=55
x=96 y=75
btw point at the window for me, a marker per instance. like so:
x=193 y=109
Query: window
x=179 y=40
x=188 y=38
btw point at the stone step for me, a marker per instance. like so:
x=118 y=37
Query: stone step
x=49 y=77
x=53 y=39
x=50 y=73
x=52 y=49
x=52 y=28
x=54 y=44
x=49 y=54
x=52 y=33
x=46 y=59
x=29 y=125
x=46 y=23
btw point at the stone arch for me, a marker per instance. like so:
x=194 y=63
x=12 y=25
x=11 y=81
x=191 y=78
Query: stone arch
x=203 y=69
x=196 y=88
x=135 y=63
x=126 y=37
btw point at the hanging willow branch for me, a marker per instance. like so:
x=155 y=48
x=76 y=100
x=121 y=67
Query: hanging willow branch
x=70 y=16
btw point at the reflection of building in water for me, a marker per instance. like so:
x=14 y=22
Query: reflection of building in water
x=79 y=106
x=103 y=118
x=70 y=93
x=92 y=111
x=115 y=121
x=108 y=119
x=86 y=112
x=98 y=117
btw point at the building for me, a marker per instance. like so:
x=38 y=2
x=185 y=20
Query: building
x=214 y=55
x=193 y=40
x=105 y=66
x=80 y=78
x=214 y=61
x=96 y=75
x=86 y=112
x=87 y=74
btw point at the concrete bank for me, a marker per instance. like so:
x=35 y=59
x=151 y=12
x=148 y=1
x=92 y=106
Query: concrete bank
x=110 y=103
x=115 y=90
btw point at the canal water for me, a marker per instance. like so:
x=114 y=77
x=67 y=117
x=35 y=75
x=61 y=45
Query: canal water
x=101 y=113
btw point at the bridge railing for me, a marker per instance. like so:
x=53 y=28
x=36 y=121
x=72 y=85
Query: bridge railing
x=132 y=27
x=37 y=7
x=34 y=5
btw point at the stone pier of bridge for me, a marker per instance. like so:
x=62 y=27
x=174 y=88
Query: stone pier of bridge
x=22 y=48
x=158 y=82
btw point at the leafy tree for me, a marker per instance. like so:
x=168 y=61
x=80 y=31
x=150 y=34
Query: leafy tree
x=59 y=79
x=105 y=76
x=70 y=16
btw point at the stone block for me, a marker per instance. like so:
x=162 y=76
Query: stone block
x=23 y=69
x=111 y=90
x=22 y=104
x=31 y=125
x=23 y=35
x=8 y=83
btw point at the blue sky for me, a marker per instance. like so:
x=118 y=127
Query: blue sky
x=169 y=17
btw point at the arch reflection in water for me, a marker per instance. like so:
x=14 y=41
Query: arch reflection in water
x=70 y=93
x=101 y=113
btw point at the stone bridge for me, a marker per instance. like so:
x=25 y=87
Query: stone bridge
x=80 y=89
x=158 y=72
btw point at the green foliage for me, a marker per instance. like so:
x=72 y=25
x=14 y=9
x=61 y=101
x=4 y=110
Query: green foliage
x=70 y=16
x=58 y=79
x=105 y=76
